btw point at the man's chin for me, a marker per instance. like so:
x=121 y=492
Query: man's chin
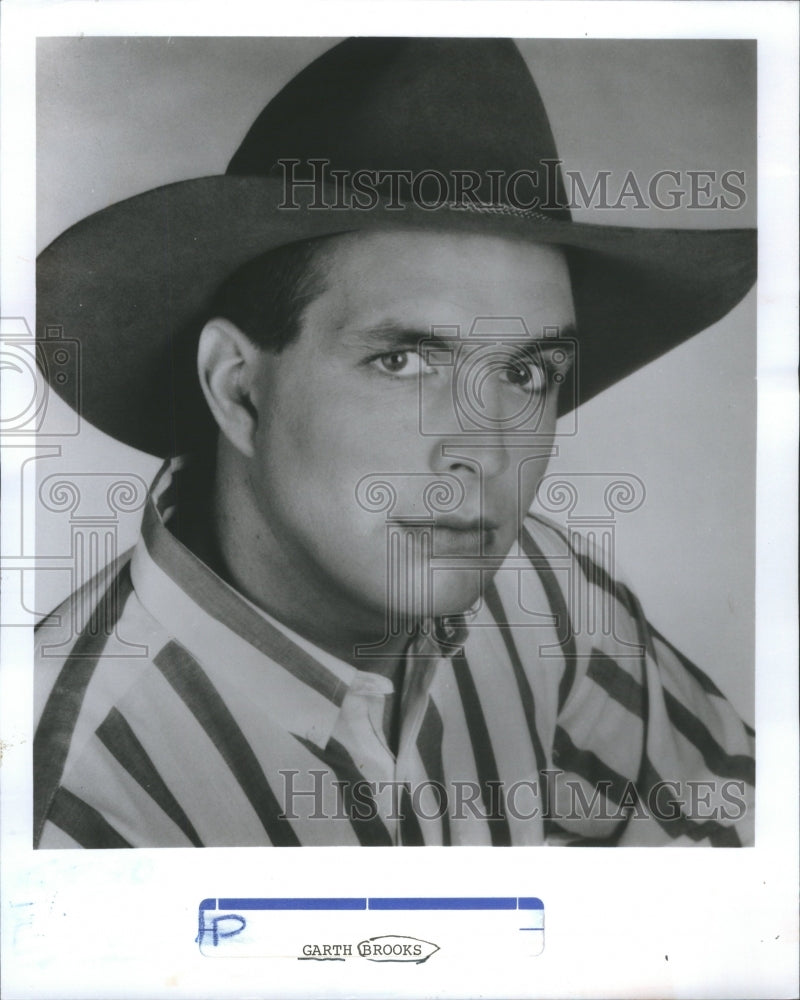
x=447 y=592
x=456 y=591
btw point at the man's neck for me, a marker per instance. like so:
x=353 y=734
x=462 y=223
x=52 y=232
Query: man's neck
x=261 y=571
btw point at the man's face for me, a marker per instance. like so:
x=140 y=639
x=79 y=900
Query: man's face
x=359 y=399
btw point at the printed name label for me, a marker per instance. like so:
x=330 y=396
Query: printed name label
x=386 y=930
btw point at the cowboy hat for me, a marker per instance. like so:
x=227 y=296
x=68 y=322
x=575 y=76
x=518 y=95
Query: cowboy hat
x=417 y=117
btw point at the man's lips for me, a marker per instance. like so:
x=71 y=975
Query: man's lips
x=451 y=535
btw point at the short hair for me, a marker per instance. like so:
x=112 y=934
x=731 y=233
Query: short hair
x=266 y=297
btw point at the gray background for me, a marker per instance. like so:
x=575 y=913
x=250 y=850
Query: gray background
x=119 y=116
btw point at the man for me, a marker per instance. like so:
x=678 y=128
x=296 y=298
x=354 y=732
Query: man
x=353 y=632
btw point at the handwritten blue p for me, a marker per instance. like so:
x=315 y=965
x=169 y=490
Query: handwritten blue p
x=218 y=927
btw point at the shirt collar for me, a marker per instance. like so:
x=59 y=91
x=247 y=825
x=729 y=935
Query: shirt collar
x=224 y=631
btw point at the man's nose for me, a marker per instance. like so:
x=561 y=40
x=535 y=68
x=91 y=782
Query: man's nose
x=485 y=457
x=470 y=444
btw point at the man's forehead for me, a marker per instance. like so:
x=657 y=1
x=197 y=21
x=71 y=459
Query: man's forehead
x=414 y=280
x=406 y=244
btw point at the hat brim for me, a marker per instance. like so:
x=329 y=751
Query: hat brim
x=127 y=282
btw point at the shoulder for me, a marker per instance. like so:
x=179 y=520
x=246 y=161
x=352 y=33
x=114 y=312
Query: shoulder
x=89 y=652
x=636 y=703
x=602 y=610
x=100 y=619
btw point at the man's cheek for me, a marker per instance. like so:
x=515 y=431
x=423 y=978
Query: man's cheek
x=529 y=476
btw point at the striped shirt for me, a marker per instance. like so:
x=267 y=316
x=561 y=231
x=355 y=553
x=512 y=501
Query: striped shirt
x=172 y=712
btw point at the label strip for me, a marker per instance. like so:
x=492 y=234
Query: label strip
x=392 y=929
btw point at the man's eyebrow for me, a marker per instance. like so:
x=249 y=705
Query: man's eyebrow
x=390 y=333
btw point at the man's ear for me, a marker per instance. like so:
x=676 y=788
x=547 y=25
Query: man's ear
x=226 y=365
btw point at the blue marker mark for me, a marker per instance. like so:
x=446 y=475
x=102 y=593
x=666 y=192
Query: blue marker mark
x=230 y=924
x=212 y=928
x=444 y=903
x=291 y=903
x=215 y=928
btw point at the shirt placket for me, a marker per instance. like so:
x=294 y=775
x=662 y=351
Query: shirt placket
x=360 y=730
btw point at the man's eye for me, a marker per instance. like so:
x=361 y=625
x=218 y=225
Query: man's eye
x=402 y=363
x=518 y=373
x=525 y=375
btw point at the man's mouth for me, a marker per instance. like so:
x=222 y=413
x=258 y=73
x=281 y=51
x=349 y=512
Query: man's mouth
x=457 y=536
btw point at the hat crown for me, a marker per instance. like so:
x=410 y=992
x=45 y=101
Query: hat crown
x=413 y=104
